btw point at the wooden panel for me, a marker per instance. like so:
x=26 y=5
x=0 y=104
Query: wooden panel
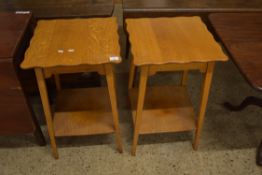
x=60 y=8
x=242 y=36
x=15 y=116
x=8 y=79
x=83 y=112
x=12 y=29
x=177 y=67
x=172 y=40
x=171 y=111
x=73 y=69
x=81 y=41
x=188 y=6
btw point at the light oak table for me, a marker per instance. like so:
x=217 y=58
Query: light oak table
x=71 y=46
x=169 y=44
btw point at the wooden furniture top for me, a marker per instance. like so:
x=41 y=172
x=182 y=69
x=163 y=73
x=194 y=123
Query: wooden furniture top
x=241 y=33
x=71 y=42
x=172 y=40
x=12 y=28
x=191 y=5
x=61 y=8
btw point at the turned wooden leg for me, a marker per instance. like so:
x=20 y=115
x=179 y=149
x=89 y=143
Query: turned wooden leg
x=46 y=107
x=204 y=98
x=140 y=104
x=112 y=94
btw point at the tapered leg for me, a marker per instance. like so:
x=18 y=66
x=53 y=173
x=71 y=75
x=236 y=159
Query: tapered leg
x=184 y=78
x=131 y=75
x=112 y=94
x=203 y=103
x=57 y=82
x=46 y=108
x=140 y=104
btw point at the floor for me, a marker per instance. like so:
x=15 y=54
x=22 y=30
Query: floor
x=228 y=142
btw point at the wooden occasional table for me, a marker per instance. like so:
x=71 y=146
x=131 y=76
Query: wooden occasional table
x=70 y=46
x=241 y=33
x=169 y=44
x=16 y=114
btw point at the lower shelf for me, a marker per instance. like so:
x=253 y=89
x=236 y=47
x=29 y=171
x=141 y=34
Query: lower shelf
x=166 y=109
x=83 y=112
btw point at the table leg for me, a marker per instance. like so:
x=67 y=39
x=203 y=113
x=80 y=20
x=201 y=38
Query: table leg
x=204 y=98
x=38 y=132
x=184 y=78
x=246 y=102
x=127 y=48
x=259 y=155
x=140 y=104
x=46 y=107
x=131 y=75
x=57 y=82
x=112 y=94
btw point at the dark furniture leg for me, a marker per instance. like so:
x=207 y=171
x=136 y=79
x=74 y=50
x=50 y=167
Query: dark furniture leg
x=38 y=134
x=246 y=102
x=127 y=48
x=259 y=154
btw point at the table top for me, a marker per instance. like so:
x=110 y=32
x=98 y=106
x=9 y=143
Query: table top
x=191 y=5
x=71 y=42
x=60 y=8
x=172 y=40
x=241 y=33
x=12 y=29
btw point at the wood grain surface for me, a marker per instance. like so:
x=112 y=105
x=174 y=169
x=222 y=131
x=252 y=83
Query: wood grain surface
x=172 y=40
x=15 y=116
x=136 y=6
x=81 y=112
x=164 y=112
x=11 y=33
x=241 y=33
x=70 y=42
x=60 y=8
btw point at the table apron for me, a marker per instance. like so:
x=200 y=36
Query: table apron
x=48 y=72
x=153 y=69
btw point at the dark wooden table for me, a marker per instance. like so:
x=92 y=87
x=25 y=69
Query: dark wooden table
x=16 y=115
x=241 y=33
x=60 y=8
x=149 y=8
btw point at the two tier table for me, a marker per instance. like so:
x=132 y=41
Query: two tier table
x=70 y=46
x=169 y=44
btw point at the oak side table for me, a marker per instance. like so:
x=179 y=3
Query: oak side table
x=70 y=46
x=169 y=44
